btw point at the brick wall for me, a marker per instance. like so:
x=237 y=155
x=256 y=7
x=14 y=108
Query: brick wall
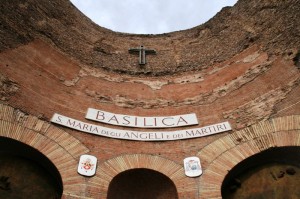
x=239 y=67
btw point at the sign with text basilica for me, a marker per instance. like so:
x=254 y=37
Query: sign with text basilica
x=140 y=135
x=141 y=122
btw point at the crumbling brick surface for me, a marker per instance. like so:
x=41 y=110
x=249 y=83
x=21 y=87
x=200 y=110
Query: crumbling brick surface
x=242 y=66
x=274 y=25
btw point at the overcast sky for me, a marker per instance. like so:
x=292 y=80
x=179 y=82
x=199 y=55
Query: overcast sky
x=150 y=16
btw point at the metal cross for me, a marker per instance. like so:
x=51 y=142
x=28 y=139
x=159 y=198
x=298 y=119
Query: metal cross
x=142 y=53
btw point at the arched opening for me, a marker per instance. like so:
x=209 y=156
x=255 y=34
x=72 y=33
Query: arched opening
x=27 y=173
x=273 y=173
x=141 y=183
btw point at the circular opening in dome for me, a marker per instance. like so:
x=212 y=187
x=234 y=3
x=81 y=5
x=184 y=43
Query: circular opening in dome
x=150 y=17
x=274 y=173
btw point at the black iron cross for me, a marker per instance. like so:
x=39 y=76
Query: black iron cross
x=142 y=53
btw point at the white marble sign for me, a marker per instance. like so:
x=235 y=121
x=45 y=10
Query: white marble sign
x=192 y=167
x=87 y=165
x=141 y=122
x=140 y=135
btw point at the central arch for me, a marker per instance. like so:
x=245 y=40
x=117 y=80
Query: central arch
x=108 y=170
x=141 y=183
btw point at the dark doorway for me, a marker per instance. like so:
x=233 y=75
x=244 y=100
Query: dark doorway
x=26 y=173
x=271 y=174
x=141 y=184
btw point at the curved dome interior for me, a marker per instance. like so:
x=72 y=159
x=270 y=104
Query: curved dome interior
x=240 y=67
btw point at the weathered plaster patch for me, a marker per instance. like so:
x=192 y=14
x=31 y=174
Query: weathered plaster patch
x=259 y=108
x=7 y=88
x=251 y=58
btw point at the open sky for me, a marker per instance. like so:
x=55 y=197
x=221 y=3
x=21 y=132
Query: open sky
x=150 y=16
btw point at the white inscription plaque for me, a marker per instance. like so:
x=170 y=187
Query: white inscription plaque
x=140 y=135
x=141 y=122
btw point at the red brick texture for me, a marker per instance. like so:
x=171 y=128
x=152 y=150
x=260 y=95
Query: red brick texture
x=240 y=67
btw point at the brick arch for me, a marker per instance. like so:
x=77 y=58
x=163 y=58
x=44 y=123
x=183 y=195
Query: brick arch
x=62 y=149
x=111 y=168
x=223 y=154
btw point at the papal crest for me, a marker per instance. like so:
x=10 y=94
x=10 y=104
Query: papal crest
x=87 y=165
x=192 y=166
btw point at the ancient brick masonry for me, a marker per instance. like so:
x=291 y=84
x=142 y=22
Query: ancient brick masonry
x=242 y=66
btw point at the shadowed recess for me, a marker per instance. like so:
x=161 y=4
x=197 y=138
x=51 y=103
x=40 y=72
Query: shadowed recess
x=273 y=173
x=141 y=183
x=26 y=173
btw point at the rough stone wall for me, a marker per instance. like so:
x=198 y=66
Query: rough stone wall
x=242 y=66
x=274 y=25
